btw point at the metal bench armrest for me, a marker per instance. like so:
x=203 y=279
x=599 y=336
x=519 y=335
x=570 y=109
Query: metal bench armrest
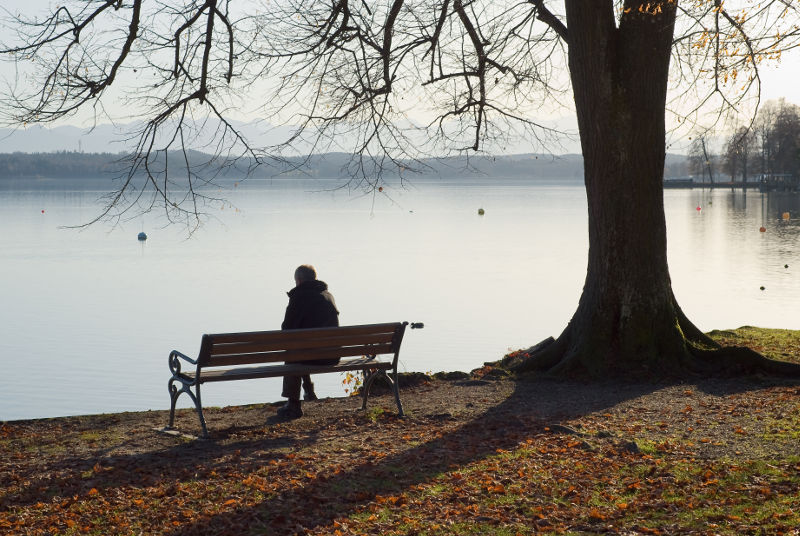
x=182 y=356
x=175 y=358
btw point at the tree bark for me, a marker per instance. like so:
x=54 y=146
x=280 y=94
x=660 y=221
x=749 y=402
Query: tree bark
x=627 y=312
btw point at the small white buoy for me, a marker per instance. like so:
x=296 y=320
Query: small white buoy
x=142 y=236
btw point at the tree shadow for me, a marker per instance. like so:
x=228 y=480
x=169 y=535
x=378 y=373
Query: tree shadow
x=742 y=384
x=531 y=409
x=77 y=474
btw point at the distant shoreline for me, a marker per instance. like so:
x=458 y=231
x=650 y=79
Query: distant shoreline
x=534 y=167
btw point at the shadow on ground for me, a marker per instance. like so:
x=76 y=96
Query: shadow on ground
x=531 y=407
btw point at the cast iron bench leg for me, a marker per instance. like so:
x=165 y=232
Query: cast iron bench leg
x=393 y=381
x=199 y=407
x=174 y=393
x=396 y=385
x=369 y=377
x=173 y=397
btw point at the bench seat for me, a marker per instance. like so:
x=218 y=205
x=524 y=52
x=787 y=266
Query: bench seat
x=274 y=371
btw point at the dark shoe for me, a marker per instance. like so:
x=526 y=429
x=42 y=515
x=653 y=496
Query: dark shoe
x=290 y=411
x=310 y=396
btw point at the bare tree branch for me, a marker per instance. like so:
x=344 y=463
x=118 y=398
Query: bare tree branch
x=546 y=16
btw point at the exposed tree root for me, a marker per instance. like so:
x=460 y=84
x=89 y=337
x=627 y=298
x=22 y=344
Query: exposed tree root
x=735 y=360
x=610 y=337
x=690 y=331
x=698 y=355
x=540 y=356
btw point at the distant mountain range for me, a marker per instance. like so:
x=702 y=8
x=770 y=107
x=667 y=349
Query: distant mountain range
x=110 y=138
x=107 y=138
x=38 y=139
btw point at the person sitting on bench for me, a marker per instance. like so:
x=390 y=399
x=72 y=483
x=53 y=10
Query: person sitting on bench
x=311 y=305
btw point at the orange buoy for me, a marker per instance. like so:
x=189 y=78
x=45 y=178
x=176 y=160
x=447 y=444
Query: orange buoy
x=763 y=229
x=786 y=215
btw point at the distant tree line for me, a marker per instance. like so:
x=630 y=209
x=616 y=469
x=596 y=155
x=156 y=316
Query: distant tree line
x=770 y=145
x=66 y=164
x=331 y=165
x=63 y=164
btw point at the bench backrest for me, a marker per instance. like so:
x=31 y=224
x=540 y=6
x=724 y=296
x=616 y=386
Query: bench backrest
x=255 y=347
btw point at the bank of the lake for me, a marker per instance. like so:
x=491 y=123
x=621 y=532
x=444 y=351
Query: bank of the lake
x=484 y=455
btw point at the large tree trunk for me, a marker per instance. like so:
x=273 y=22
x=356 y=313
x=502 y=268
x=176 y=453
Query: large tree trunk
x=627 y=314
x=627 y=321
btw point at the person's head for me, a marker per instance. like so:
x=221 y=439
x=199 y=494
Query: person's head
x=303 y=273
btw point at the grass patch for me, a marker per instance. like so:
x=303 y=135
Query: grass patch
x=647 y=447
x=374 y=413
x=780 y=344
x=787 y=427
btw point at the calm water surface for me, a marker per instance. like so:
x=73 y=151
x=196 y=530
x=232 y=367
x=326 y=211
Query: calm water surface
x=89 y=317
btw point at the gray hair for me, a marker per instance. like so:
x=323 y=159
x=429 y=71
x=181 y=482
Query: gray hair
x=305 y=272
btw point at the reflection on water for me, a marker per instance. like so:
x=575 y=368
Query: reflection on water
x=89 y=317
x=720 y=259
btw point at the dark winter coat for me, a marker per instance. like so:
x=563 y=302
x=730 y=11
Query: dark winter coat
x=310 y=306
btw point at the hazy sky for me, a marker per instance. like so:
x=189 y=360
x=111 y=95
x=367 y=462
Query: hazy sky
x=779 y=80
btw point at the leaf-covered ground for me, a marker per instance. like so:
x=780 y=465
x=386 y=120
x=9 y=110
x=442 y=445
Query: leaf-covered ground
x=478 y=456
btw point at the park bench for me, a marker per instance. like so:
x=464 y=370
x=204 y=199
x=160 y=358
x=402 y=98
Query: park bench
x=269 y=354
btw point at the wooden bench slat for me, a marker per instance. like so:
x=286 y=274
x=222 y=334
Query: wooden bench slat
x=290 y=335
x=248 y=346
x=297 y=355
x=275 y=371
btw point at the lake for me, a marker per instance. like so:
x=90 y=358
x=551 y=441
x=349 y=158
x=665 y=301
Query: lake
x=89 y=317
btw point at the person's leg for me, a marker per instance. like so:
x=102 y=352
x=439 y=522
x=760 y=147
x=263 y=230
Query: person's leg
x=291 y=390
x=308 y=388
x=291 y=387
